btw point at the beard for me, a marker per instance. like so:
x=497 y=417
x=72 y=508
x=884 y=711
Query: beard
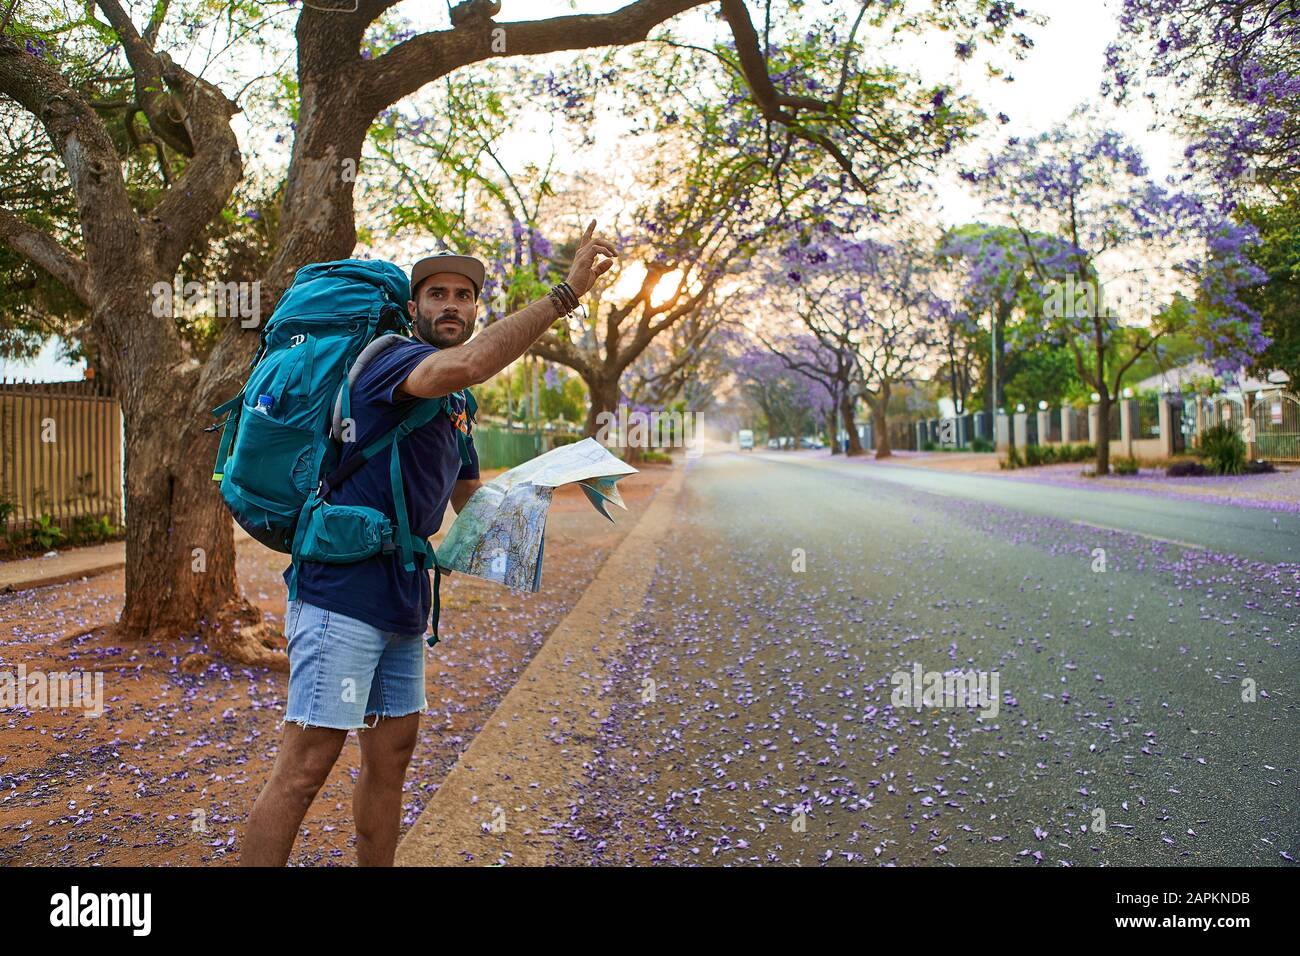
x=444 y=338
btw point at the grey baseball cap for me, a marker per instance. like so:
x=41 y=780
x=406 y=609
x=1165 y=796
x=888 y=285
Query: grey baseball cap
x=467 y=266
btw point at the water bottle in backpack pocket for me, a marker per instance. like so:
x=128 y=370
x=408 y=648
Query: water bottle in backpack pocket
x=274 y=455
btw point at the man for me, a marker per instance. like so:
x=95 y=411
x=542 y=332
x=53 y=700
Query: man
x=356 y=648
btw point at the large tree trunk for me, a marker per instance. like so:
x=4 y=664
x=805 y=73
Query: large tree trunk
x=180 y=557
x=180 y=554
x=846 y=413
x=602 y=415
x=880 y=425
x=180 y=537
x=603 y=394
x=880 y=421
x=1103 y=434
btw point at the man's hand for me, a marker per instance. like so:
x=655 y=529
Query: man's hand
x=585 y=270
x=502 y=342
x=462 y=491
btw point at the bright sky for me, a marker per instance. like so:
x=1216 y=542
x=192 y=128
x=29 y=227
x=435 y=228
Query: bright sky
x=1064 y=69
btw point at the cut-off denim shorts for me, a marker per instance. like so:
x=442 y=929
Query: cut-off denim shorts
x=342 y=671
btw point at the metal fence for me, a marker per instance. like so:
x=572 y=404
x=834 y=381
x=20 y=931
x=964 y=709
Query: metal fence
x=60 y=453
x=1277 y=426
x=502 y=447
x=1148 y=418
x=1228 y=411
x=902 y=436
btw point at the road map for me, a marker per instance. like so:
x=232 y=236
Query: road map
x=500 y=534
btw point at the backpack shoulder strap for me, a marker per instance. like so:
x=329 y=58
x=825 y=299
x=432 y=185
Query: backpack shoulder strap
x=343 y=400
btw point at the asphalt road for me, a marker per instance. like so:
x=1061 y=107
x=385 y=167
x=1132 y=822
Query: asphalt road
x=1253 y=533
x=1141 y=704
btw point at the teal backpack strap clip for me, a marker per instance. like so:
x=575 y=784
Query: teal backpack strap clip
x=231 y=410
x=437 y=601
x=430 y=557
x=425 y=414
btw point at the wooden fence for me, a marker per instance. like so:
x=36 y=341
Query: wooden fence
x=60 y=453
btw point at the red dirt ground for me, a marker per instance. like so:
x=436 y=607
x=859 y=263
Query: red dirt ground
x=168 y=775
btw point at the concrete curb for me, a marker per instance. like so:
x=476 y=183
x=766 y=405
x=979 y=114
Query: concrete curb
x=517 y=775
x=25 y=574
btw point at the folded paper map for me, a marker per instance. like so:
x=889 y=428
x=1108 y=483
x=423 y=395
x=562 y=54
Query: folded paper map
x=499 y=534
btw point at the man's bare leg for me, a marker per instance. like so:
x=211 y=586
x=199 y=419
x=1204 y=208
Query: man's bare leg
x=377 y=799
x=306 y=756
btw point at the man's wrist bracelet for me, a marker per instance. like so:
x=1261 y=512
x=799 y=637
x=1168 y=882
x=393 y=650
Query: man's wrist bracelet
x=572 y=297
x=558 y=300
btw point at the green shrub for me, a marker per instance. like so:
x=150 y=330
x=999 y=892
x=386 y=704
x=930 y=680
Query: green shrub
x=981 y=445
x=1222 y=449
x=88 y=530
x=1013 y=459
x=45 y=533
x=1126 y=466
x=1075 y=452
x=656 y=457
x=928 y=446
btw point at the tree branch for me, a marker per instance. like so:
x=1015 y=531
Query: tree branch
x=42 y=250
x=108 y=223
x=163 y=113
x=426 y=57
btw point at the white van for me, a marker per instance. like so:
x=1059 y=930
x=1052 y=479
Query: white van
x=746 y=439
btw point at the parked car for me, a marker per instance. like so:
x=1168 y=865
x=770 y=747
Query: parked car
x=807 y=442
x=746 y=439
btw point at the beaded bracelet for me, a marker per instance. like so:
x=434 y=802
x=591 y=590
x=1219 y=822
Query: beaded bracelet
x=567 y=291
x=558 y=300
x=566 y=301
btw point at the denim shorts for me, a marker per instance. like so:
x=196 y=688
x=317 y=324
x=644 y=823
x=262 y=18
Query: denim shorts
x=342 y=670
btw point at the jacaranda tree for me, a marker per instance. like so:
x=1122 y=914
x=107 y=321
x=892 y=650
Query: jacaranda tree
x=1120 y=261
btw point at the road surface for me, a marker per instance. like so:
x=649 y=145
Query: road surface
x=1141 y=704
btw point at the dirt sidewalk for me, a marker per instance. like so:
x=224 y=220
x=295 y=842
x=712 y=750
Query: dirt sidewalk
x=168 y=774
x=508 y=790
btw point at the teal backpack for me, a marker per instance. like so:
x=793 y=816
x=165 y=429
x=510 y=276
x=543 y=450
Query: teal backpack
x=283 y=434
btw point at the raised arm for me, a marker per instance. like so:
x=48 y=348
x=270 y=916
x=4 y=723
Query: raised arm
x=502 y=342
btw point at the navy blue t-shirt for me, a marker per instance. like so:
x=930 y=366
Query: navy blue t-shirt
x=379 y=590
